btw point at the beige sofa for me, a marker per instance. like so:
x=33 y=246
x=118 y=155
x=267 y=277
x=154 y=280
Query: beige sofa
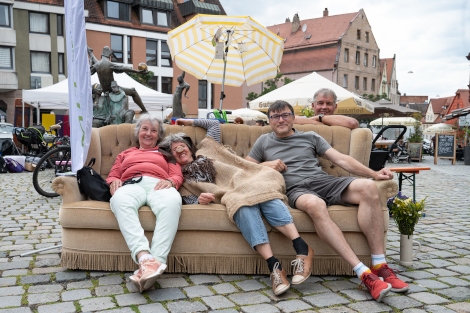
x=207 y=242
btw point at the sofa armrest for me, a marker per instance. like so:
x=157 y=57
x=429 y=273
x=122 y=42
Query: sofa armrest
x=67 y=187
x=386 y=189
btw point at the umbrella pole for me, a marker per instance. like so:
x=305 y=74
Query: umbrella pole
x=222 y=95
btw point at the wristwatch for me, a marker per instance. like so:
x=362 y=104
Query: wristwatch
x=320 y=117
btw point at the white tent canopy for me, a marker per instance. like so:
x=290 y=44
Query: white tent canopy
x=246 y=115
x=300 y=93
x=56 y=97
x=407 y=121
x=440 y=128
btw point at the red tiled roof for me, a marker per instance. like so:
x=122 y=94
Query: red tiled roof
x=413 y=99
x=437 y=104
x=324 y=30
x=389 y=62
x=306 y=61
x=445 y=111
x=464 y=96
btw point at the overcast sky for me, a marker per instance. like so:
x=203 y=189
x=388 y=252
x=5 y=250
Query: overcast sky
x=429 y=37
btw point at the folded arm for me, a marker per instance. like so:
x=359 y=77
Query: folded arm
x=329 y=120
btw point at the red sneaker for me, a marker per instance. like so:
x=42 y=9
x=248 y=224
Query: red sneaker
x=377 y=288
x=389 y=276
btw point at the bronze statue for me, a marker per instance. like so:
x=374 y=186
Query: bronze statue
x=106 y=69
x=178 y=95
x=119 y=106
x=101 y=114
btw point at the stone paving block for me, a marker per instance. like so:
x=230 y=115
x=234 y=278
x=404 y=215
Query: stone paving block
x=307 y=289
x=339 y=285
x=454 y=281
x=13 y=265
x=74 y=295
x=444 y=254
x=439 y=262
x=10 y=301
x=284 y=296
x=47 y=262
x=96 y=304
x=131 y=287
x=43 y=298
x=338 y=309
x=326 y=299
x=152 y=308
x=204 y=279
x=463 y=269
x=357 y=295
x=99 y=274
x=230 y=278
x=224 y=311
x=35 y=279
x=47 y=270
x=432 y=284
x=457 y=293
x=460 y=307
x=250 y=285
x=249 y=298
x=166 y=294
x=79 y=285
x=130 y=299
x=332 y=277
x=224 y=288
x=109 y=290
x=461 y=261
x=428 y=298
x=293 y=306
x=198 y=291
x=217 y=302
x=401 y=302
x=123 y=310
x=417 y=274
x=370 y=307
x=110 y=280
x=8 y=281
x=260 y=308
x=11 y=291
x=442 y=272
x=186 y=306
x=416 y=288
x=414 y=311
x=172 y=282
x=64 y=307
x=69 y=276
x=437 y=309
x=45 y=288
x=419 y=265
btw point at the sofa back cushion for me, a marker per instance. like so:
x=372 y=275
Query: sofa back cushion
x=113 y=139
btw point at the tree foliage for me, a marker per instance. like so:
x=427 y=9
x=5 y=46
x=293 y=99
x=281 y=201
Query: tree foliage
x=270 y=85
x=417 y=135
x=142 y=78
x=375 y=98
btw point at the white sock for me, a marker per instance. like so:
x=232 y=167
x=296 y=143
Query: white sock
x=378 y=259
x=147 y=256
x=360 y=269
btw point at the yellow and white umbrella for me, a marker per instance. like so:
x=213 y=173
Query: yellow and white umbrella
x=226 y=50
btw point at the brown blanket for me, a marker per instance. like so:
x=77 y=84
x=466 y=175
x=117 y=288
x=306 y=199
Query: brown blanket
x=238 y=182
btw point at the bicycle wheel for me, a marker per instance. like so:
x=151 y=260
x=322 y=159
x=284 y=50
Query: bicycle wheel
x=52 y=163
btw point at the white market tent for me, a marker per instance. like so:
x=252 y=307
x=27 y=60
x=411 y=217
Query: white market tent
x=440 y=128
x=407 y=121
x=56 y=97
x=299 y=93
x=246 y=115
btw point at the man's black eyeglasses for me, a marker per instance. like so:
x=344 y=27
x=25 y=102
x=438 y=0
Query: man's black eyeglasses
x=284 y=116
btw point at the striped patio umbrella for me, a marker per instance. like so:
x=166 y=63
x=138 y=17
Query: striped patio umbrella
x=226 y=50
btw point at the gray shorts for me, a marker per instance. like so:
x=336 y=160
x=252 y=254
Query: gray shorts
x=327 y=187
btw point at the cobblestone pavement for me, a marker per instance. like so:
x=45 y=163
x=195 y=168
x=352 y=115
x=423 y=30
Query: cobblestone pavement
x=439 y=277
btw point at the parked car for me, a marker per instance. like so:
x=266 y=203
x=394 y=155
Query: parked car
x=426 y=145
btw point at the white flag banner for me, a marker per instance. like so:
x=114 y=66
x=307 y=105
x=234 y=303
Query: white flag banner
x=80 y=101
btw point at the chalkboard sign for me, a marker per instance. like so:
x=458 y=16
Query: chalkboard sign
x=415 y=151
x=445 y=147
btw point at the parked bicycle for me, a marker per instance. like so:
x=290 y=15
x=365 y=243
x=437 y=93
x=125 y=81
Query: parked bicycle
x=54 y=163
x=38 y=141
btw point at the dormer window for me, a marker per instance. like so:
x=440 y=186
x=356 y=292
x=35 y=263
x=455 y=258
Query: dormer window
x=118 y=10
x=155 y=17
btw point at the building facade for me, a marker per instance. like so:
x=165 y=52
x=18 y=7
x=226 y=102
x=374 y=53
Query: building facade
x=388 y=80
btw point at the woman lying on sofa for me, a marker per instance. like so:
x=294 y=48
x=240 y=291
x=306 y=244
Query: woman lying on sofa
x=246 y=189
x=144 y=175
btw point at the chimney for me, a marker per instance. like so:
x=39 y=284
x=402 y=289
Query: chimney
x=325 y=13
x=295 y=23
x=287 y=20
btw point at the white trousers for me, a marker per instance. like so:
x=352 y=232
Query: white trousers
x=165 y=204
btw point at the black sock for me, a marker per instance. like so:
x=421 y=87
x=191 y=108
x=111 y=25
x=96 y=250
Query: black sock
x=300 y=246
x=271 y=262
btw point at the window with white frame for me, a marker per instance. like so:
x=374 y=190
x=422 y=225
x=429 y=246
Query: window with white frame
x=366 y=59
x=40 y=62
x=364 y=83
x=155 y=17
x=60 y=25
x=358 y=57
x=346 y=55
x=129 y=60
x=165 y=55
x=38 y=23
x=61 y=63
x=345 y=81
x=372 y=86
x=116 y=46
x=166 y=85
x=5 y=19
x=202 y=97
x=151 y=52
x=6 y=58
x=374 y=61
x=356 y=82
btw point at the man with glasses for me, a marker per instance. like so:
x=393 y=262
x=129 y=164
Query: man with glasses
x=324 y=105
x=295 y=154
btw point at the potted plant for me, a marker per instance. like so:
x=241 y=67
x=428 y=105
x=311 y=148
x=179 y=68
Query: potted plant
x=406 y=213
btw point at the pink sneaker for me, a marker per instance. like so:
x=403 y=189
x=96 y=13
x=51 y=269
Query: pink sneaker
x=148 y=272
